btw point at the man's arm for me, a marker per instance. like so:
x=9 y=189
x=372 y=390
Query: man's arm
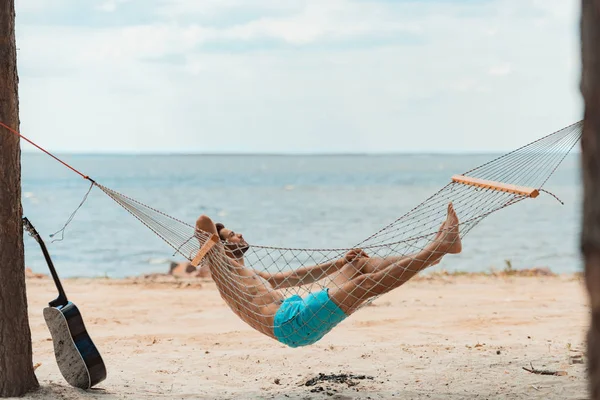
x=300 y=276
x=310 y=274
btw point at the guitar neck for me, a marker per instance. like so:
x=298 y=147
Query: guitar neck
x=61 y=300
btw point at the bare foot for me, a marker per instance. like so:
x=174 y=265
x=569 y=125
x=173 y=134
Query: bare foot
x=449 y=236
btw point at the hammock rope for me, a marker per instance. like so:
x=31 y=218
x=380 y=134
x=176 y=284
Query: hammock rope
x=396 y=252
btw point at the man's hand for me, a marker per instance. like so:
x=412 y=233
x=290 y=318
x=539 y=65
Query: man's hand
x=351 y=256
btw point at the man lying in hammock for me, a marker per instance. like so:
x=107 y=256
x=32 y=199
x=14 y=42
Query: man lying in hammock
x=257 y=299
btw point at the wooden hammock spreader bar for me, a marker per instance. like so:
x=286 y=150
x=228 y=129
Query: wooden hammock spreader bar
x=210 y=242
x=499 y=186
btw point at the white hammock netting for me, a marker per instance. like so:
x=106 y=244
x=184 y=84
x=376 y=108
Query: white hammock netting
x=393 y=251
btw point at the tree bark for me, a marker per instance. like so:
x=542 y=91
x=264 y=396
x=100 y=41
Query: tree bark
x=16 y=365
x=590 y=146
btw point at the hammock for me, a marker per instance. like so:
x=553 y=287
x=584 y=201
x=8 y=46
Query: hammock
x=475 y=194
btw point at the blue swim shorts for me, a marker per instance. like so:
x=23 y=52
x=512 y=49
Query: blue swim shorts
x=301 y=322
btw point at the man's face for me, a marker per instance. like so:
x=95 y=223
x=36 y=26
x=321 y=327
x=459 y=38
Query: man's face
x=235 y=242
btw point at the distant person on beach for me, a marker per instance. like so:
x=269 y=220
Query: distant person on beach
x=185 y=269
x=255 y=296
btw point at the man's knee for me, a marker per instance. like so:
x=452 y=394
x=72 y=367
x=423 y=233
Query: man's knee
x=350 y=270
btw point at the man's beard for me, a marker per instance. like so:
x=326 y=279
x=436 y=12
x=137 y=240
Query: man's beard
x=237 y=250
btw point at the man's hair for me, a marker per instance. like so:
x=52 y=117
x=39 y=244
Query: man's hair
x=219 y=227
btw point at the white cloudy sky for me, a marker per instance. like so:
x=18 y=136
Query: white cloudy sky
x=296 y=76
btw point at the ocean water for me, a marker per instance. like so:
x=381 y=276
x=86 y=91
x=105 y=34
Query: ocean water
x=289 y=201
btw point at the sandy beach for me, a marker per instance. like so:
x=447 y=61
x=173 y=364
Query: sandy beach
x=443 y=337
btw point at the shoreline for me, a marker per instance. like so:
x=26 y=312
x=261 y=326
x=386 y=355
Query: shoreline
x=491 y=273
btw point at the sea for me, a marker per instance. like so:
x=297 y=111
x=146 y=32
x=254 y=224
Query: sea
x=314 y=201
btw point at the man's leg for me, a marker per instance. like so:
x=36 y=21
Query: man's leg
x=353 y=293
x=370 y=265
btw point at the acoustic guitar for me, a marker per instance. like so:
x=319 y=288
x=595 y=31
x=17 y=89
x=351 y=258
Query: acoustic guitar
x=78 y=359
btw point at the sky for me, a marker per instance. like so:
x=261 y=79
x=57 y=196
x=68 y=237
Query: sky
x=296 y=76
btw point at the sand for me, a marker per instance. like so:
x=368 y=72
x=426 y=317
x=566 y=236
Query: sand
x=448 y=337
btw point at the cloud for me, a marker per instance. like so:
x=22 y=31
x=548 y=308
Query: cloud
x=296 y=76
x=500 y=70
x=108 y=6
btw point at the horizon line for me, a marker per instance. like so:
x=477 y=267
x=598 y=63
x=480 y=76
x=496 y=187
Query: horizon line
x=281 y=154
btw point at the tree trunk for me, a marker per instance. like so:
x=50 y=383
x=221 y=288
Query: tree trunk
x=16 y=366
x=590 y=145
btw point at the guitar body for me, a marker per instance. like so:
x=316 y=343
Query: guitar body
x=77 y=357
